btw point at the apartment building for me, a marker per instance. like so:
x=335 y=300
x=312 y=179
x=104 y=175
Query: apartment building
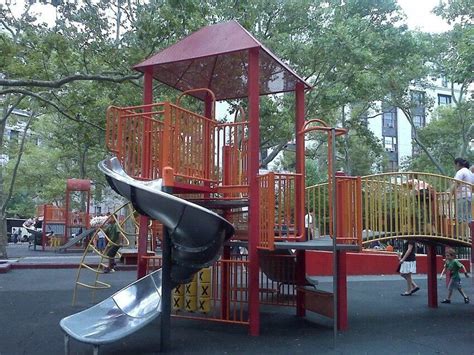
x=393 y=128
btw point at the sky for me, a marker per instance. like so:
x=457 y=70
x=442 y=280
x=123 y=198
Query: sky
x=418 y=13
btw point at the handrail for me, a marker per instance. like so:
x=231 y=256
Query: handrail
x=213 y=97
x=404 y=205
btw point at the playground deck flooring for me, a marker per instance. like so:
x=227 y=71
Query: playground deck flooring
x=32 y=302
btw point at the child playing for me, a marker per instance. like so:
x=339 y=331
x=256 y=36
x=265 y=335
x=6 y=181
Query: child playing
x=453 y=265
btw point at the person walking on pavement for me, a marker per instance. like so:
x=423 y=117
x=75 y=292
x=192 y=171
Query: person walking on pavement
x=408 y=267
x=453 y=266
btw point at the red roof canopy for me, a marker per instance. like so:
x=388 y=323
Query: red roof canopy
x=216 y=57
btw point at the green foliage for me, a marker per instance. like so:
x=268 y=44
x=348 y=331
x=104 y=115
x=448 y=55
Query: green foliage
x=444 y=135
x=353 y=52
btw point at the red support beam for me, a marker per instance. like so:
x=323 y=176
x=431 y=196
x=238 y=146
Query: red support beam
x=225 y=282
x=300 y=156
x=342 y=320
x=43 y=237
x=472 y=243
x=300 y=195
x=146 y=159
x=432 y=277
x=254 y=198
x=300 y=280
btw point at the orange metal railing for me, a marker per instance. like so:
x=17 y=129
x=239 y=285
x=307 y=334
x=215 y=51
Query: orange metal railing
x=229 y=287
x=51 y=213
x=277 y=278
x=278 y=220
x=126 y=130
x=267 y=211
x=415 y=205
x=349 y=210
x=231 y=157
x=394 y=205
x=197 y=148
x=229 y=291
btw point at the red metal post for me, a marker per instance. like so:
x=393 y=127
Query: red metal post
x=225 y=289
x=66 y=213
x=43 y=237
x=225 y=283
x=254 y=198
x=343 y=218
x=342 y=321
x=300 y=280
x=208 y=149
x=300 y=194
x=471 y=226
x=88 y=209
x=300 y=156
x=143 y=229
x=432 y=275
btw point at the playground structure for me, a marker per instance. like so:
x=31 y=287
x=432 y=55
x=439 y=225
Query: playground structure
x=401 y=205
x=216 y=165
x=60 y=223
x=77 y=220
x=125 y=218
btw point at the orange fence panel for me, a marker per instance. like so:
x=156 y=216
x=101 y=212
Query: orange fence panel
x=278 y=220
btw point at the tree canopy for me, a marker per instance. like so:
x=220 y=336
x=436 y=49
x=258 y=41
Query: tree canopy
x=355 y=53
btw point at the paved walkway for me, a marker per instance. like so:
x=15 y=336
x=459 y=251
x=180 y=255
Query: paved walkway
x=32 y=302
x=20 y=256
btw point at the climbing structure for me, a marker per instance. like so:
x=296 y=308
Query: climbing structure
x=90 y=269
x=216 y=164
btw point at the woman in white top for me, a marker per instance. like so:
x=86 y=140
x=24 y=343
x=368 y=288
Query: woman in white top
x=463 y=190
x=309 y=225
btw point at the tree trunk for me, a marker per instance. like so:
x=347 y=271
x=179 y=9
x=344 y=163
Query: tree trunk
x=417 y=140
x=3 y=237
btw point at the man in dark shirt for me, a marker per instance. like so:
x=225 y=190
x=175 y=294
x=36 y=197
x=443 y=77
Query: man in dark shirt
x=113 y=246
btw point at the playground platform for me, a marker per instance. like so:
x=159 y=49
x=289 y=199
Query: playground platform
x=381 y=321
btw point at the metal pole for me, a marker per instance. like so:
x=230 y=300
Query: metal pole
x=332 y=176
x=165 y=329
x=166 y=288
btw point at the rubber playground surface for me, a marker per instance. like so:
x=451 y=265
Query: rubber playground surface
x=33 y=301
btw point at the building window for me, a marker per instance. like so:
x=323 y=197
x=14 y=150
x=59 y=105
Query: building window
x=444 y=81
x=392 y=166
x=389 y=119
x=390 y=144
x=418 y=121
x=415 y=149
x=444 y=99
x=14 y=135
x=418 y=98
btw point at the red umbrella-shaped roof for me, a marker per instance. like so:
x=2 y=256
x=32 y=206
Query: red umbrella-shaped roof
x=216 y=57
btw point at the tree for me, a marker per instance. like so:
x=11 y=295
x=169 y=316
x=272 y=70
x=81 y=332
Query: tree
x=454 y=61
x=444 y=136
x=75 y=68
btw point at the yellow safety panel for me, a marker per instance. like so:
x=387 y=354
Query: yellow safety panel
x=178 y=302
x=204 y=305
x=190 y=288
x=204 y=290
x=178 y=290
x=204 y=275
x=190 y=303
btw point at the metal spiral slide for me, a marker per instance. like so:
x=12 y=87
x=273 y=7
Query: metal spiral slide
x=197 y=237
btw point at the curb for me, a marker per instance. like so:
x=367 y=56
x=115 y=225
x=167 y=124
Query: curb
x=23 y=266
x=5 y=266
